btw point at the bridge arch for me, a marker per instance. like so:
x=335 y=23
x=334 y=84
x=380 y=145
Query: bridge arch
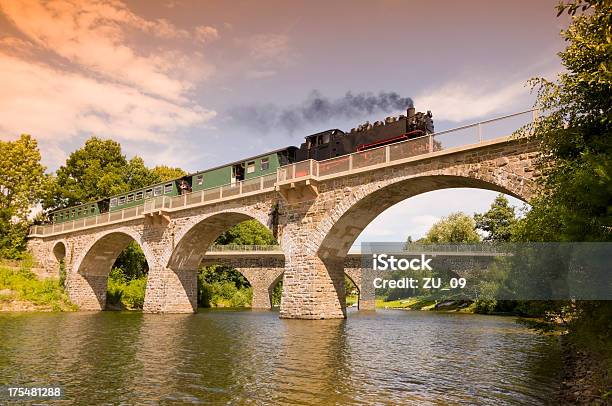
x=89 y=279
x=59 y=251
x=349 y=218
x=193 y=239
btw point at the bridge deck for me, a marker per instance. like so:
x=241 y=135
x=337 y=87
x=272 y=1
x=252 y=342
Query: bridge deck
x=442 y=143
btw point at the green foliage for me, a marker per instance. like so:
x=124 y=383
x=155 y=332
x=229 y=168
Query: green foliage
x=223 y=286
x=22 y=178
x=222 y=274
x=22 y=184
x=277 y=294
x=132 y=262
x=96 y=171
x=250 y=232
x=165 y=173
x=498 y=222
x=12 y=237
x=576 y=134
x=485 y=306
x=125 y=292
x=46 y=293
x=457 y=228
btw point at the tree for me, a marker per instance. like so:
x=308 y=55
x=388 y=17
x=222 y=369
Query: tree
x=96 y=171
x=165 y=173
x=498 y=222
x=575 y=133
x=250 y=232
x=456 y=228
x=22 y=185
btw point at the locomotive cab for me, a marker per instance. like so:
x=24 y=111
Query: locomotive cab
x=319 y=146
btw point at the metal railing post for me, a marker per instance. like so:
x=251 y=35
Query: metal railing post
x=430 y=143
x=350 y=162
x=387 y=153
x=240 y=187
x=479 y=132
x=261 y=183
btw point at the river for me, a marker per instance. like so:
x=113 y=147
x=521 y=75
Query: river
x=250 y=357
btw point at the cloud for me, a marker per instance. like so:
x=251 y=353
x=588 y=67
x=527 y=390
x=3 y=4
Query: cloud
x=206 y=34
x=76 y=71
x=266 y=53
x=462 y=101
x=93 y=35
x=52 y=104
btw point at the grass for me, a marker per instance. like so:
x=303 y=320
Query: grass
x=419 y=303
x=42 y=294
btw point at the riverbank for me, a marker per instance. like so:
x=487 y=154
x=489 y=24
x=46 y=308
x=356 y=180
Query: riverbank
x=426 y=303
x=21 y=290
x=586 y=378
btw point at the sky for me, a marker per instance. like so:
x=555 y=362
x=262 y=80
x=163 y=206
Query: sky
x=197 y=84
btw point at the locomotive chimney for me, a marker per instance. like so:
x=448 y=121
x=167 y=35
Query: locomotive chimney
x=410 y=112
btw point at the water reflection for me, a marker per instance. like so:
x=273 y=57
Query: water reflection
x=238 y=357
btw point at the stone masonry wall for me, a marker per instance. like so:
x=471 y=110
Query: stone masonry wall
x=315 y=235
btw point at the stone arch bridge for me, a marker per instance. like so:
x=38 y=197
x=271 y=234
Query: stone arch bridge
x=317 y=210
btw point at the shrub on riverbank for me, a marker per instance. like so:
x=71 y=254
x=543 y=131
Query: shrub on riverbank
x=220 y=286
x=125 y=293
x=21 y=285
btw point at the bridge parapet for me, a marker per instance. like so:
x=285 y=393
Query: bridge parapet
x=299 y=181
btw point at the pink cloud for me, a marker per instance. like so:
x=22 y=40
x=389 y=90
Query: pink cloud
x=93 y=36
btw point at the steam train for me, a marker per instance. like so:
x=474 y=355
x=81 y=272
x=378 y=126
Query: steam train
x=320 y=146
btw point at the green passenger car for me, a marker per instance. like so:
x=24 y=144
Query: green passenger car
x=76 y=212
x=248 y=168
x=137 y=197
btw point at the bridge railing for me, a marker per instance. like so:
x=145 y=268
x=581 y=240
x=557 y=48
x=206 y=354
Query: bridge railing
x=162 y=203
x=364 y=160
x=465 y=135
x=244 y=248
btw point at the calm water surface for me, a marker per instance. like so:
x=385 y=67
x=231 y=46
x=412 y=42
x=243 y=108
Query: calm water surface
x=248 y=357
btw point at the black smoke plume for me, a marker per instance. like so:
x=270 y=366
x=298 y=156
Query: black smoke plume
x=318 y=109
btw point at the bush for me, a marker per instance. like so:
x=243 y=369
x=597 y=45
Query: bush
x=45 y=292
x=223 y=287
x=485 y=306
x=128 y=294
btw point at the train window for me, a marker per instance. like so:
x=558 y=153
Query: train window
x=121 y=200
x=148 y=193
x=265 y=164
x=138 y=196
x=199 y=179
x=325 y=138
x=157 y=191
x=130 y=198
x=92 y=210
x=251 y=167
x=168 y=188
x=113 y=202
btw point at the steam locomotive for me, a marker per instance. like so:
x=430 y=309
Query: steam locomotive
x=320 y=146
